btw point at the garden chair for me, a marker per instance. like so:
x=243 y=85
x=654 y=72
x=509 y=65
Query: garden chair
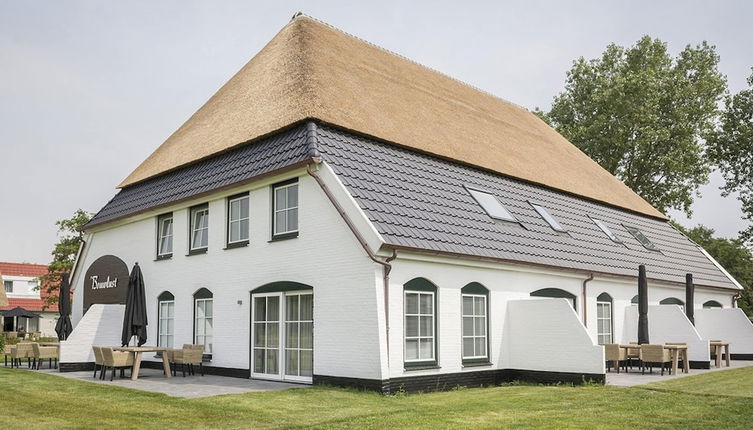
x=613 y=354
x=116 y=360
x=7 y=353
x=21 y=350
x=41 y=353
x=654 y=354
x=189 y=355
x=98 y=362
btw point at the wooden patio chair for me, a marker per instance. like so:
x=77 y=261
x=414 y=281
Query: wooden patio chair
x=116 y=360
x=188 y=355
x=613 y=354
x=654 y=354
x=41 y=353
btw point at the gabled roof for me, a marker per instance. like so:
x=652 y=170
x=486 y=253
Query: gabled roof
x=31 y=271
x=23 y=269
x=312 y=70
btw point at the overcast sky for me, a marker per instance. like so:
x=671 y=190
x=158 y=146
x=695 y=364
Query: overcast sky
x=88 y=89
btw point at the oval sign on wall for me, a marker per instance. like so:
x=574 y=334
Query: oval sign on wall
x=106 y=282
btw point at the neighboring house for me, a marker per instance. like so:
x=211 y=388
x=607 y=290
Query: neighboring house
x=339 y=214
x=21 y=285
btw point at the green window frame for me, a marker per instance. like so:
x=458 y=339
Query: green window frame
x=604 y=319
x=420 y=346
x=556 y=293
x=475 y=323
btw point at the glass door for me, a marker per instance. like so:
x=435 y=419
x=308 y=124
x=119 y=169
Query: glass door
x=283 y=336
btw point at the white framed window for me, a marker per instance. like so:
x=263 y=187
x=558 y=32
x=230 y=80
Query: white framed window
x=8 y=285
x=166 y=320
x=475 y=335
x=420 y=317
x=199 y=227
x=238 y=219
x=285 y=209
x=204 y=319
x=165 y=236
x=604 y=322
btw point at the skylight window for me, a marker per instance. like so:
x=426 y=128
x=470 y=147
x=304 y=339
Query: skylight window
x=606 y=230
x=492 y=206
x=640 y=237
x=548 y=217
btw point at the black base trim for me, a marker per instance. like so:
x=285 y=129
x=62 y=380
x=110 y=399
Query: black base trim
x=75 y=367
x=448 y=381
x=741 y=356
x=208 y=370
x=700 y=364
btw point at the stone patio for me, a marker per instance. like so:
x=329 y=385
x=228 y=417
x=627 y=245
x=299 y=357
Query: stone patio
x=634 y=376
x=190 y=387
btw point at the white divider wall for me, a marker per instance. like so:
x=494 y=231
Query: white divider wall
x=547 y=335
x=101 y=325
x=730 y=325
x=667 y=323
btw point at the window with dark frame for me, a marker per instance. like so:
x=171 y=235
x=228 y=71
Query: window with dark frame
x=544 y=213
x=8 y=285
x=420 y=323
x=204 y=319
x=165 y=236
x=604 y=321
x=599 y=223
x=199 y=240
x=475 y=323
x=491 y=205
x=285 y=209
x=238 y=220
x=166 y=319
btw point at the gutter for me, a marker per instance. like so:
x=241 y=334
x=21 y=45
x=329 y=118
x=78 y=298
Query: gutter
x=585 y=296
x=311 y=168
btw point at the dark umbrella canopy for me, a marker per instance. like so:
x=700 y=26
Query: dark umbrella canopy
x=18 y=311
x=134 y=320
x=64 y=326
x=642 y=305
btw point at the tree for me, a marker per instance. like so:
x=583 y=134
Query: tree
x=731 y=149
x=733 y=255
x=641 y=115
x=64 y=253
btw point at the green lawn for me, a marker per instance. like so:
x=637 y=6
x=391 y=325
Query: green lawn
x=33 y=400
x=734 y=382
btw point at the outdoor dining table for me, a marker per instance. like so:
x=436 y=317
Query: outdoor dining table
x=138 y=351
x=675 y=351
x=718 y=351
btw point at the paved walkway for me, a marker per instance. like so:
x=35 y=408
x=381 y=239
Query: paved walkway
x=191 y=386
x=634 y=377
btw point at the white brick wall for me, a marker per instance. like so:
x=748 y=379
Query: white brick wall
x=729 y=325
x=667 y=323
x=102 y=325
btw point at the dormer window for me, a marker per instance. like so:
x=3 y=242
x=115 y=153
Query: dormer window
x=492 y=206
x=548 y=217
x=640 y=237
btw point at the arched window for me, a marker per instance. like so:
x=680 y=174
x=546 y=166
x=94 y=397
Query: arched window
x=475 y=309
x=635 y=299
x=604 y=321
x=555 y=293
x=673 y=301
x=165 y=319
x=420 y=313
x=712 y=304
x=203 y=312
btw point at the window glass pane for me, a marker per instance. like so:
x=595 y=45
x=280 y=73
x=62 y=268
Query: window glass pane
x=170 y=326
x=480 y=346
x=468 y=347
x=492 y=206
x=260 y=337
x=467 y=305
x=244 y=207
x=235 y=231
x=292 y=215
x=280 y=198
x=307 y=307
x=273 y=308
x=291 y=362
x=208 y=308
x=307 y=335
x=291 y=335
x=235 y=209
x=411 y=326
x=426 y=302
x=479 y=305
x=243 y=233
x=411 y=349
x=307 y=363
x=273 y=335
x=411 y=303
x=260 y=308
x=599 y=310
x=548 y=217
x=291 y=309
x=480 y=326
x=272 y=364
x=427 y=326
x=426 y=348
x=259 y=360
x=467 y=326
x=281 y=225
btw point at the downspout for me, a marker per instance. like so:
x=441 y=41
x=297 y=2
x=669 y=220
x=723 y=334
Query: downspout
x=313 y=152
x=735 y=298
x=585 y=297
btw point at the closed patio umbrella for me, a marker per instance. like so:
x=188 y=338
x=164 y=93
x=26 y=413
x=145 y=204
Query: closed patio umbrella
x=134 y=320
x=642 y=305
x=64 y=326
x=689 y=299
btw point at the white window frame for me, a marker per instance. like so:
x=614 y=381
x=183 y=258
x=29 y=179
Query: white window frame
x=239 y=220
x=281 y=336
x=276 y=209
x=475 y=336
x=162 y=235
x=419 y=338
x=208 y=333
x=609 y=323
x=164 y=328
x=194 y=230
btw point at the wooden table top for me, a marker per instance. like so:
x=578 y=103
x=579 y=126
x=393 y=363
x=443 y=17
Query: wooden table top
x=635 y=346
x=719 y=343
x=140 y=348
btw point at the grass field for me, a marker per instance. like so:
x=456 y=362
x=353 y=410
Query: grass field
x=720 y=400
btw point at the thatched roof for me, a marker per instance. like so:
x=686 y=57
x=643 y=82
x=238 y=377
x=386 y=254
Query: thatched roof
x=312 y=70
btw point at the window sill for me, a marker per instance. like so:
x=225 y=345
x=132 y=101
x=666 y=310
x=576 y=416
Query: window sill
x=411 y=367
x=234 y=245
x=163 y=257
x=477 y=364
x=197 y=251
x=284 y=236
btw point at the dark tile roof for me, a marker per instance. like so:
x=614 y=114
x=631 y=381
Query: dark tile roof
x=419 y=201
x=272 y=153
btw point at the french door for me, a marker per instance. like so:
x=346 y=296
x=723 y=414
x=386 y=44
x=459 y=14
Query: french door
x=282 y=344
